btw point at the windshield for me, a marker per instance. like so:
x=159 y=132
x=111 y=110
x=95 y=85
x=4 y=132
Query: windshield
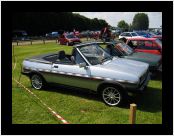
x=94 y=54
x=123 y=48
x=70 y=36
x=134 y=34
x=159 y=42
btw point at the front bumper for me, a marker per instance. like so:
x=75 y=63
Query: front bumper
x=141 y=87
x=160 y=68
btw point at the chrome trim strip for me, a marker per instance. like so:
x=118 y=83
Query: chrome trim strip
x=80 y=75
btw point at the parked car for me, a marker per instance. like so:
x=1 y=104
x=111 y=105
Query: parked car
x=128 y=35
x=52 y=35
x=89 y=67
x=68 y=39
x=144 y=34
x=148 y=45
x=84 y=34
x=150 y=34
x=122 y=50
x=20 y=35
x=77 y=33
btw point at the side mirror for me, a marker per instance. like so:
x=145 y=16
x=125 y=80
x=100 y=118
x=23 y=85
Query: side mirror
x=82 y=65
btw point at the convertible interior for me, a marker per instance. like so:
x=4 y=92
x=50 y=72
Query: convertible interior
x=62 y=58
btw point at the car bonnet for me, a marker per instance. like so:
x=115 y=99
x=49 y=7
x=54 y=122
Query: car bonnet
x=130 y=67
x=146 y=57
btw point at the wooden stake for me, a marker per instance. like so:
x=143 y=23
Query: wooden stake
x=132 y=116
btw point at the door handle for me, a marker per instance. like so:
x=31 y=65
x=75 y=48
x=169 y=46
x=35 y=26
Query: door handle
x=55 y=66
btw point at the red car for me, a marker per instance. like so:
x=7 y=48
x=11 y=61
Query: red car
x=148 y=45
x=68 y=39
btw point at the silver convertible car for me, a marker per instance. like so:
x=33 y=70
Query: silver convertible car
x=89 y=67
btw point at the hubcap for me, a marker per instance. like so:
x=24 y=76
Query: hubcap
x=36 y=82
x=111 y=96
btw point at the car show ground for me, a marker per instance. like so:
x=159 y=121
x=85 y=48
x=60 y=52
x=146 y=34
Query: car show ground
x=76 y=106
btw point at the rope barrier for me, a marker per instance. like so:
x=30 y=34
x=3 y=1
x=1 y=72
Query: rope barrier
x=49 y=109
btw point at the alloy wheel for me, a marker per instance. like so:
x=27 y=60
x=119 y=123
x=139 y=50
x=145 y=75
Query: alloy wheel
x=111 y=96
x=36 y=82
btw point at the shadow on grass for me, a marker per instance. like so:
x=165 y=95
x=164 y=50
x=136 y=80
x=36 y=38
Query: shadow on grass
x=157 y=76
x=82 y=93
x=150 y=100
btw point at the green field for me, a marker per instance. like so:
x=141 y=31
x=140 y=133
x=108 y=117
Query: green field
x=77 y=107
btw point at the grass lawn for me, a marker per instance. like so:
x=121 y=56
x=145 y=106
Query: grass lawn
x=77 y=106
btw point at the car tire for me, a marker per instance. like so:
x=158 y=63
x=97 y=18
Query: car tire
x=37 y=81
x=112 y=95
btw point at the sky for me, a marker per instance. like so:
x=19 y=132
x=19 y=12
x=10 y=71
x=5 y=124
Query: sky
x=155 y=18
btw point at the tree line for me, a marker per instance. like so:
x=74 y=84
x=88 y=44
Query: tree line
x=39 y=23
x=140 y=22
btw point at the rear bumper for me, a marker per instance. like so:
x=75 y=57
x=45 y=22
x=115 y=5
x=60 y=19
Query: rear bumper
x=142 y=87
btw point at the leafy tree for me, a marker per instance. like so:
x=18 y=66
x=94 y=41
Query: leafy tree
x=140 y=21
x=40 y=23
x=123 y=25
x=130 y=27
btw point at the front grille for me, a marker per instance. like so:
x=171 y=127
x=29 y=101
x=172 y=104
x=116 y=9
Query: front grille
x=143 y=77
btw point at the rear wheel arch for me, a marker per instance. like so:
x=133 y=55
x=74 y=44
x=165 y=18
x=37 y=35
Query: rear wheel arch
x=37 y=80
x=112 y=94
x=115 y=84
x=36 y=73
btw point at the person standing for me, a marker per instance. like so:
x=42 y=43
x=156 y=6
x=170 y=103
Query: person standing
x=105 y=34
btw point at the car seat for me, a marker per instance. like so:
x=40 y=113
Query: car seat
x=62 y=57
x=109 y=49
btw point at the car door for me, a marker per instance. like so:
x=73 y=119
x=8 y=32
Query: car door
x=73 y=74
x=148 y=47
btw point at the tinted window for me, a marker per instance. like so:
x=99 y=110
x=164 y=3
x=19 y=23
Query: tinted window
x=141 y=33
x=123 y=34
x=134 y=34
x=128 y=34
